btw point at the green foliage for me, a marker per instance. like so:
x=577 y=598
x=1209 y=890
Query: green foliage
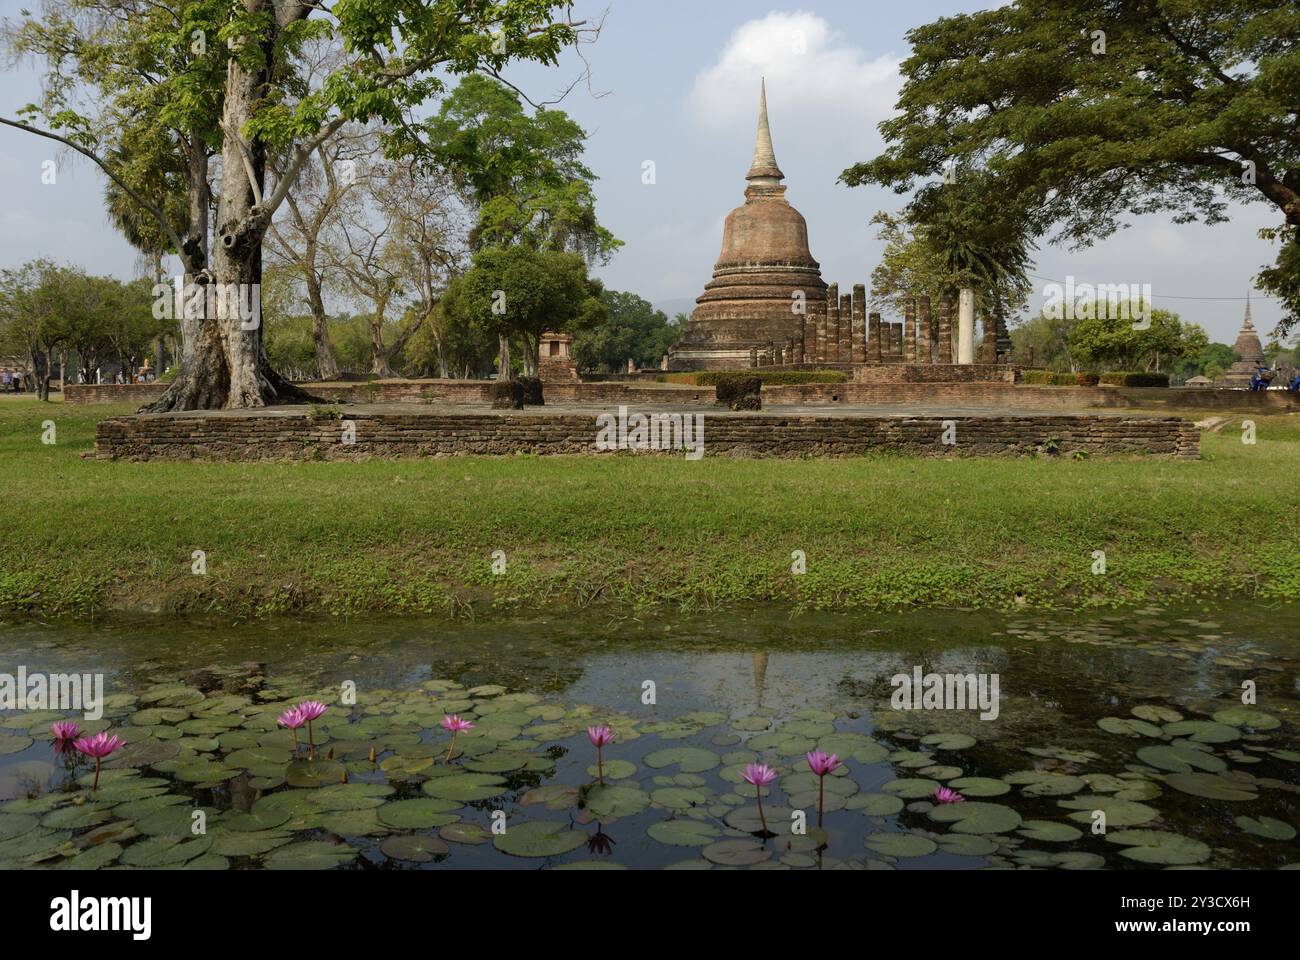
x=1210 y=362
x=1047 y=339
x=524 y=173
x=1074 y=137
x=633 y=330
x=1118 y=342
x=517 y=291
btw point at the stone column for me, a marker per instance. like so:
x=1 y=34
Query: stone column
x=778 y=357
x=859 y=350
x=753 y=356
x=966 y=326
x=924 y=335
x=846 y=328
x=833 y=323
x=797 y=349
x=873 y=339
x=946 y=308
x=909 y=332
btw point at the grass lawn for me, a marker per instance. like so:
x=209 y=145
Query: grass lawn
x=82 y=537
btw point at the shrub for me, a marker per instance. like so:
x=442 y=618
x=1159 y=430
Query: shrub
x=507 y=395
x=771 y=377
x=1133 y=378
x=739 y=391
x=1086 y=379
x=532 y=391
x=1037 y=377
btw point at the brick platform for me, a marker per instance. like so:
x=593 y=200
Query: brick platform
x=286 y=433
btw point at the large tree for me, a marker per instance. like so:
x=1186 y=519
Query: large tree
x=232 y=72
x=1081 y=112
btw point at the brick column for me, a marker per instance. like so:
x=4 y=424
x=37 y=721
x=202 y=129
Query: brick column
x=947 y=307
x=846 y=328
x=989 y=346
x=817 y=331
x=909 y=332
x=873 y=338
x=753 y=356
x=924 y=333
x=833 y=323
x=797 y=348
x=859 y=349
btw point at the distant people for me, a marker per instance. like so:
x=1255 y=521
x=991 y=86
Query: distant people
x=18 y=381
x=118 y=378
x=1294 y=385
x=7 y=379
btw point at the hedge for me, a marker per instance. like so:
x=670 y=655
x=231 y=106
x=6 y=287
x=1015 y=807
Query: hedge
x=507 y=395
x=1050 y=378
x=739 y=391
x=771 y=377
x=1133 y=378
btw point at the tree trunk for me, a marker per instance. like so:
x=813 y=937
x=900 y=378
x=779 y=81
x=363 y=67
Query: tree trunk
x=378 y=352
x=327 y=368
x=228 y=367
x=503 y=370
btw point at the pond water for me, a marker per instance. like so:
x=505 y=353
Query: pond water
x=1135 y=716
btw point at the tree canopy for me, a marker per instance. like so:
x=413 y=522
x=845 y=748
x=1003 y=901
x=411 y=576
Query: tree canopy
x=1078 y=113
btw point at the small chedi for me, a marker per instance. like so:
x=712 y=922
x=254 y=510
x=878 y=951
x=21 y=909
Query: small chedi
x=1251 y=352
x=767 y=303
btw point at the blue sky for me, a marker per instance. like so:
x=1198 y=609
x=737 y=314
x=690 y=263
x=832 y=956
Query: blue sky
x=680 y=89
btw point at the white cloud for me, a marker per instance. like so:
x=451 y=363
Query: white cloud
x=816 y=80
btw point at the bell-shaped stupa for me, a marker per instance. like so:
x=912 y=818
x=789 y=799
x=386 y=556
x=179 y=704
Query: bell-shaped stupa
x=765 y=280
x=1249 y=349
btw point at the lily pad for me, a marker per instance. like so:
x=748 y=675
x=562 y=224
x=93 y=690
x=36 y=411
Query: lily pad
x=1211 y=786
x=974 y=816
x=463 y=832
x=465 y=787
x=683 y=833
x=1243 y=716
x=539 y=838
x=414 y=849
x=1157 y=846
x=690 y=759
x=1119 y=813
x=738 y=852
x=420 y=813
x=310 y=855
x=1267 y=827
x=1049 y=831
x=1203 y=731
x=948 y=741
x=1180 y=759
x=901 y=844
x=979 y=786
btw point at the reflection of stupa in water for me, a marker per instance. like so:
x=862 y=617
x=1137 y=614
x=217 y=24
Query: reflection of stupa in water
x=765 y=268
x=1249 y=349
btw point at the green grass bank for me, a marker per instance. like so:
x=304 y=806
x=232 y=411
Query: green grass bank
x=83 y=538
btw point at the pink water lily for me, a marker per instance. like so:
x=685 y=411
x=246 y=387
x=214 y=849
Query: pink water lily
x=454 y=723
x=99 y=746
x=600 y=736
x=820 y=763
x=760 y=775
x=64 y=729
x=311 y=710
x=945 y=795
x=292 y=718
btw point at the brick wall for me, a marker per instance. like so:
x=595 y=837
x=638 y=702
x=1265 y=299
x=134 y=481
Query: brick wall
x=140 y=393
x=274 y=435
